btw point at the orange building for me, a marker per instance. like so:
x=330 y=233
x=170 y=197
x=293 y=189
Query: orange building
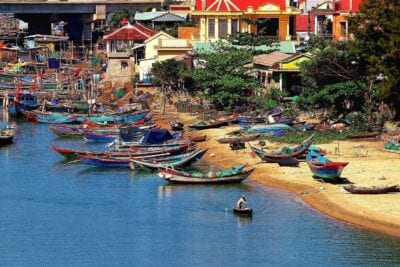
x=326 y=18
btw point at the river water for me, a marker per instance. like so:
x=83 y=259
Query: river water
x=57 y=213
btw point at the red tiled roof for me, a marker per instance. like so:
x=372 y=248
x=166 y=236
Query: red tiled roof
x=130 y=32
x=302 y=23
x=237 y=5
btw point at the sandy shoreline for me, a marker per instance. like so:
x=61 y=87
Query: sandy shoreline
x=369 y=164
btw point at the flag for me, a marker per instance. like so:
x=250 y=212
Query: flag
x=124 y=21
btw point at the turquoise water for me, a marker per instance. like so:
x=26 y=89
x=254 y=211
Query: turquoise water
x=57 y=213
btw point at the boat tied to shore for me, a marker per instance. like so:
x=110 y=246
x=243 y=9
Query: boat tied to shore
x=235 y=174
x=277 y=156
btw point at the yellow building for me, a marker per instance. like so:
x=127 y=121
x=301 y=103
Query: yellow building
x=160 y=47
x=220 y=18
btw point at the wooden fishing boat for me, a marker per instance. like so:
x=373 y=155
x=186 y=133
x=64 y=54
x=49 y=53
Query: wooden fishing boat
x=72 y=154
x=371 y=190
x=187 y=159
x=236 y=174
x=242 y=138
x=22 y=102
x=200 y=138
x=114 y=117
x=67 y=132
x=54 y=118
x=276 y=157
x=244 y=211
x=29 y=115
x=208 y=125
x=323 y=168
x=364 y=136
x=266 y=128
x=92 y=136
x=6 y=137
x=109 y=160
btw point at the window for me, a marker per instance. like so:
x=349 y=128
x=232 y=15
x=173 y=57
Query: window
x=222 y=28
x=234 y=26
x=211 y=28
x=124 y=66
x=343 y=28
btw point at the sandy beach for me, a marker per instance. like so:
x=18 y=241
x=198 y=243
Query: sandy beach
x=369 y=164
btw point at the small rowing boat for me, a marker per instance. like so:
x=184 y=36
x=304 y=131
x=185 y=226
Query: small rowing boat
x=371 y=190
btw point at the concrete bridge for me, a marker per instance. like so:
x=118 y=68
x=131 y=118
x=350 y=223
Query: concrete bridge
x=79 y=14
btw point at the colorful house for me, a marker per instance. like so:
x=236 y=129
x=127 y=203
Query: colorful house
x=160 y=47
x=220 y=18
x=127 y=35
x=279 y=70
x=326 y=18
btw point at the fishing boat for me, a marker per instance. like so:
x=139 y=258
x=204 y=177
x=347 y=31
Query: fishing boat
x=110 y=160
x=392 y=146
x=266 y=128
x=92 y=136
x=276 y=157
x=114 y=117
x=243 y=211
x=72 y=154
x=54 y=117
x=371 y=190
x=6 y=137
x=241 y=138
x=208 y=125
x=235 y=174
x=67 y=132
x=323 y=168
x=22 y=102
x=186 y=159
x=364 y=136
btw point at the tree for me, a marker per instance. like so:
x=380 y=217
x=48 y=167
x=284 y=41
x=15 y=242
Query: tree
x=169 y=72
x=223 y=79
x=376 y=29
x=248 y=39
x=334 y=78
x=118 y=16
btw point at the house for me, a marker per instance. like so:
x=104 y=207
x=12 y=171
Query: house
x=160 y=47
x=127 y=35
x=326 y=18
x=219 y=18
x=120 y=67
x=279 y=70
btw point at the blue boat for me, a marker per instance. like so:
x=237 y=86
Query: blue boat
x=54 y=118
x=124 y=118
x=22 y=102
x=266 y=128
x=323 y=168
x=91 y=136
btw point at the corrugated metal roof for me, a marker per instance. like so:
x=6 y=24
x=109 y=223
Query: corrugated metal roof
x=149 y=16
x=168 y=17
x=270 y=59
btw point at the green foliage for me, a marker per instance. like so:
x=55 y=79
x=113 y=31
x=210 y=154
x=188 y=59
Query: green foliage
x=343 y=97
x=249 y=39
x=169 y=72
x=360 y=121
x=376 y=29
x=224 y=80
x=116 y=18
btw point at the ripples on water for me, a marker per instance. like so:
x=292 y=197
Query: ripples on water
x=58 y=213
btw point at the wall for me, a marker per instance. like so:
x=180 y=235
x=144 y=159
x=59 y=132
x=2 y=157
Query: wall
x=188 y=33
